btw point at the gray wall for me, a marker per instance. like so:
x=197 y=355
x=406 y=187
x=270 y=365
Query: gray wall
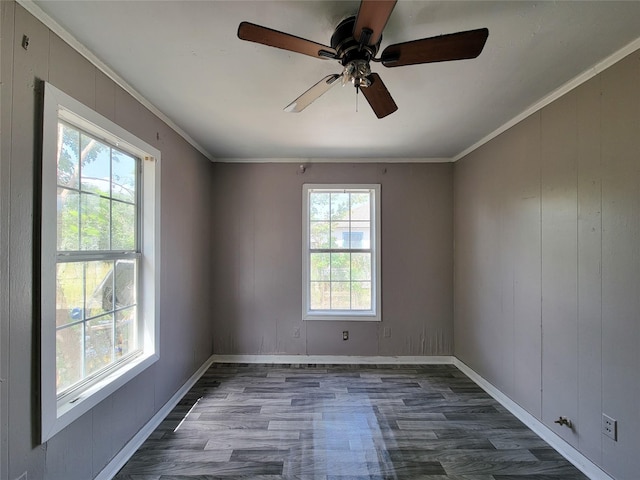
x=257 y=261
x=85 y=447
x=547 y=264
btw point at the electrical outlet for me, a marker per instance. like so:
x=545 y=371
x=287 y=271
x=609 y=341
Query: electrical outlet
x=387 y=332
x=296 y=333
x=610 y=427
x=345 y=335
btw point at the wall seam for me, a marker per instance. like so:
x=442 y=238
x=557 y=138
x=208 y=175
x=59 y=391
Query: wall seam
x=578 y=283
x=600 y=172
x=7 y=45
x=541 y=261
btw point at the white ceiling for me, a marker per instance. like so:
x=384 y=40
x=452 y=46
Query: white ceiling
x=228 y=95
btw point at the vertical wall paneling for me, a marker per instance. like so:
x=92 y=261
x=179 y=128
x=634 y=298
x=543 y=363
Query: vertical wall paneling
x=29 y=67
x=416 y=201
x=257 y=279
x=559 y=263
x=477 y=327
x=84 y=448
x=7 y=11
x=466 y=295
x=524 y=181
x=71 y=72
x=575 y=250
x=497 y=263
x=621 y=263
x=105 y=99
x=588 y=429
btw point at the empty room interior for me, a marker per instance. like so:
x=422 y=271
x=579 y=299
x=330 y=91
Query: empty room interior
x=320 y=240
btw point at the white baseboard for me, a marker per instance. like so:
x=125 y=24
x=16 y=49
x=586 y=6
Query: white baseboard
x=123 y=456
x=335 y=359
x=581 y=462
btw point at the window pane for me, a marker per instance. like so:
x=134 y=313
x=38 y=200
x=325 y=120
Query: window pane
x=340 y=296
x=319 y=235
x=361 y=266
x=123 y=220
x=340 y=266
x=339 y=206
x=348 y=281
x=95 y=171
x=360 y=206
x=361 y=295
x=320 y=296
x=68 y=156
x=98 y=343
x=320 y=266
x=352 y=239
x=68 y=237
x=123 y=176
x=68 y=356
x=360 y=235
x=69 y=292
x=125 y=283
x=98 y=287
x=125 y=332
x=319 y=206
x=94 y=222
x=338 y=231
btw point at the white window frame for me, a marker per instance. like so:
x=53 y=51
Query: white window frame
x=56 y=412
x=373 y=315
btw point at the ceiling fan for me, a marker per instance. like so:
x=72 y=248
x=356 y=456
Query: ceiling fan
x=355 y=43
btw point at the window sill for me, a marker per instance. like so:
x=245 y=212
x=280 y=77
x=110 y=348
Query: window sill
x=72 y=406
x=343 y=317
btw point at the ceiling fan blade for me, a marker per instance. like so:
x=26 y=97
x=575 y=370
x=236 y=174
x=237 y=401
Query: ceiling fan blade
x=454 y=46
x=372 y=16
x=379 y=97
x=311 y=95
x=273 y=38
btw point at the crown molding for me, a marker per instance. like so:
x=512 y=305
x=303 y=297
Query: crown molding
x=59 y=30
x=557 y=93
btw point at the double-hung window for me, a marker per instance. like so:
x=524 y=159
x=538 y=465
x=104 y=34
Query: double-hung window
x=99 y=258
x=341 y=252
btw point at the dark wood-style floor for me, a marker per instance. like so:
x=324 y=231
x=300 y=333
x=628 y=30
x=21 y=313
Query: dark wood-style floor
x=349 y=422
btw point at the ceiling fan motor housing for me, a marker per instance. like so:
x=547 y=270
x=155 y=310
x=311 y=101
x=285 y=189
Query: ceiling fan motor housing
x=347 y=47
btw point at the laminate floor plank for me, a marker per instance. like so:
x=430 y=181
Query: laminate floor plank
x=342 y=422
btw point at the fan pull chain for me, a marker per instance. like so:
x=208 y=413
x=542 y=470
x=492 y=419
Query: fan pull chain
x=357 y=90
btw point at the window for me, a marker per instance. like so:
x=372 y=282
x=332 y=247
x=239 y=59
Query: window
x=99 y=269
x=341 y=252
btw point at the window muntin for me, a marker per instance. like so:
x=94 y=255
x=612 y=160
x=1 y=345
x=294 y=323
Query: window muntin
x=97 y=254
x=341 y=252
x=99 y=270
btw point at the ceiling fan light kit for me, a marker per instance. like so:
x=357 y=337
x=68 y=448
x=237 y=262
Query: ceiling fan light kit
x=355 y=43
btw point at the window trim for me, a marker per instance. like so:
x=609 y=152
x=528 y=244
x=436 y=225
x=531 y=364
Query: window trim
x=57 y=413
x=373 y=315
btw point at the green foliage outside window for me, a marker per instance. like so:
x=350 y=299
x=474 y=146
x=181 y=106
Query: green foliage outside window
x=340 y=254
x=96 y=213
